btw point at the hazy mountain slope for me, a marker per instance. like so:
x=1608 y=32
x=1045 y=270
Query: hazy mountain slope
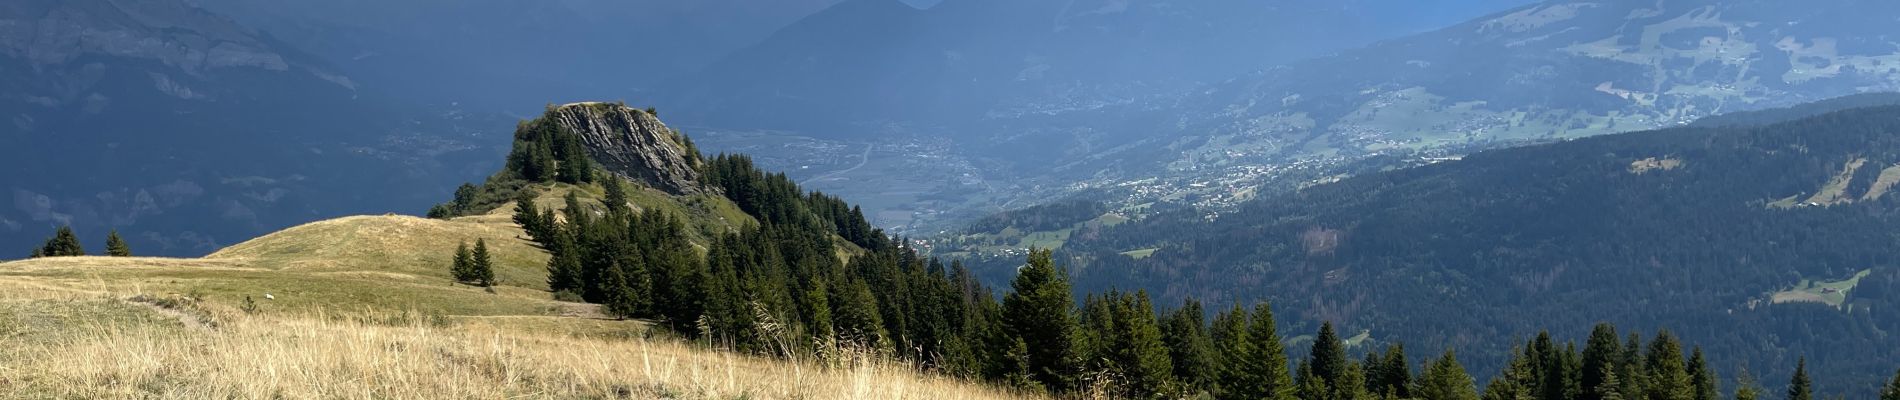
x=963 y=60
x=1714 y=233
x=518 y=54
x=1553 y=70
x=187 y=131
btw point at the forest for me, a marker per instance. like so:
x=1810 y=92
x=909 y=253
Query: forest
x=812 y=276
x=1762 y=242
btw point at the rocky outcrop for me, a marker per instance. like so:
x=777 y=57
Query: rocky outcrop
x=633 y=144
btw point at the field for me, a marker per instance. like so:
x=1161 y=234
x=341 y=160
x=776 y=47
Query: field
x=362 y=307
x=1831 y=292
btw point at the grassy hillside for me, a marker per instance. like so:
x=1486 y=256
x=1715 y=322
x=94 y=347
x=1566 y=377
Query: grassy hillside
x=364 y=307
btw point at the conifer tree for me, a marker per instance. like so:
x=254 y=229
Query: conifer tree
x=464 y=199
x=1039 y=312
x=63 y=244
x=855 y=314
x=1189 y=345
x=1516 y=382
x=1392 y=376
x=1633 y=371
x=1231 y=350
x=481 y=267
x=1703 y=377
x=1892 y=391
x=1136 y=350
x=1607 y=383
x=1799 y=387
x=1668 y=378
x=1328 y=357
x=1445 y=379
x=1600 y=356
x=115 y=246
x=620 y=301
x=1747 y=388
x=462 y=263
x=617 y=202
x=1263 y=361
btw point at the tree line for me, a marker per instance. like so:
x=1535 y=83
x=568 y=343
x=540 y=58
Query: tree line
x=812 y=276
x=65 y=243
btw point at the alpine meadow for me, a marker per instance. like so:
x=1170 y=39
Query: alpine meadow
x=950 y=199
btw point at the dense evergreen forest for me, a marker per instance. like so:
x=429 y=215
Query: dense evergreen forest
x=813 y=277
x=1763 y=243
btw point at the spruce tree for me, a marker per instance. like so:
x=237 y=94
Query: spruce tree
x=115 y=246
x=1393 y=375
x=1039 y=311
x=619 y=300
x=1600 y=355
x=464 y=199
x=1668 y=378
x=1607 y=383
x=1328 y=357
x=1516 y=382
x=460 y=267
x=481 y=267
x=1892 y=391
x=1445 y=379
x=617 y=201
x=1231 y=351
x=1703 y=377
x=1799 y=387
x=1747 y=388
x=1189 y=345
x=1263 y=361
x=1136 y=350
x=63 y=244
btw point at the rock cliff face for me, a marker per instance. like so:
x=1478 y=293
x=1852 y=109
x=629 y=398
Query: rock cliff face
x=633 y=144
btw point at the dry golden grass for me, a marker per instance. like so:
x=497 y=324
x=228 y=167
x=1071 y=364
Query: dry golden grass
x=271 y=357
x=364 y=309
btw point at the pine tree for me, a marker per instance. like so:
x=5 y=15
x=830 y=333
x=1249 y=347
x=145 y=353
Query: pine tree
x=1136 y=350
x=115 y=246
x=1703 y=377
x=528 y=215
x=1039 y=311
x=1747 y=388
x=1445 y=379
x=1632 y=370
x=1607 y=384
x=481 y=267
x=1393 y=376
x=464 y=199
x=1516 y=382
x=1328 y=357
x=463 y=263
x=617 y=202
x=1892 y=391
x=619 y=300
x=1600 y=356
x=1231 y=350
x=1189 y=345
x=1263 y=361
x=63 y=244
x=1799 y=387
x=564 y=265
x=1668 y=379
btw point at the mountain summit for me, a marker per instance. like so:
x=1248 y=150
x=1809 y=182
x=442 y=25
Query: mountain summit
x=633 y=144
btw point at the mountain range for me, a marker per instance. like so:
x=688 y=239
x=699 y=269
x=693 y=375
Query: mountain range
x=1763 y=240
x=187 y=131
